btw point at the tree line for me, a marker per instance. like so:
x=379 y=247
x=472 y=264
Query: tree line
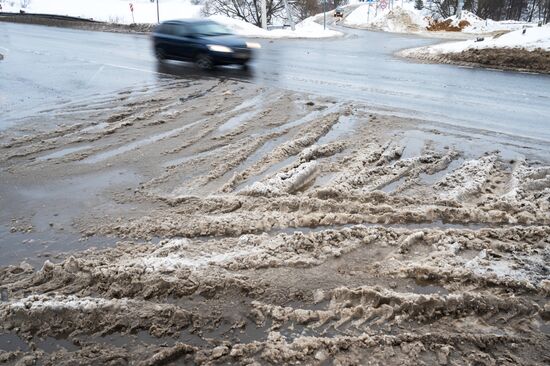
x=250 y=10
x=526 y=10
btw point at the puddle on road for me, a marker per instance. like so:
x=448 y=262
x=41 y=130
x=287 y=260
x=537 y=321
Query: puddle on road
x=12 y=342
x=38 y=246
x=389 y=188
x=319 y=113
x=46 y=213
x=425 y=289
x=184 y=159
x=433 y=178
x=250 y=103
x=63 y=152
x=257 y=102
x=344 y=127
x=95 y=128
x=413 y=146
x=137 y=144
x=237 y=120
x=324 y=179
x=51 y=344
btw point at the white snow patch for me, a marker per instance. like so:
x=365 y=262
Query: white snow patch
x=528 y=39
x=59 y=302
x=285 y=182
x=170 y=257
x=479 y=25
x=468 y=179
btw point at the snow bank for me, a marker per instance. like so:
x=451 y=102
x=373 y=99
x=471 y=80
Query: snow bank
x=533 y=38
x=478 y=25
x=404 y=19
x=407 y=19
x=308 y=28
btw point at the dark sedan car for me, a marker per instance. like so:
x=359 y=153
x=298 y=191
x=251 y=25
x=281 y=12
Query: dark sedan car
x=204 y=42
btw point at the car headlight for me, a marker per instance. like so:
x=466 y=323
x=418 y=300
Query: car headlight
x=219 y=48
x=253 y=45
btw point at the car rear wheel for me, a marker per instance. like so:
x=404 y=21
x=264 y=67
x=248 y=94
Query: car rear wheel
x=204 y=62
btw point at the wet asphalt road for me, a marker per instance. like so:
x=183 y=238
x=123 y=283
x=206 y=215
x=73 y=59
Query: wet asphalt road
x=44 y=67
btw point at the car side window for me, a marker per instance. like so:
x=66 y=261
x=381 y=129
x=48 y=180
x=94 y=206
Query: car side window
x=181 y=30
x=166 y=29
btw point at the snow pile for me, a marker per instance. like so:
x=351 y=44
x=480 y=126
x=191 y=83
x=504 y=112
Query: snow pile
x=404 y=19
x=308 y=28
x=478 y=25
x=533 y=38
x=114 y=11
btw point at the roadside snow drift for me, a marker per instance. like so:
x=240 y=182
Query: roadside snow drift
x=528 y=39
x=477 y=25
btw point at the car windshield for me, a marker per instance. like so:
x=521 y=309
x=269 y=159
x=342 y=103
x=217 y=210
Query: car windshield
x=210 y=29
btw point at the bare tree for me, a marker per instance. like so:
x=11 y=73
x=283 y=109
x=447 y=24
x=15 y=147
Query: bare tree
x=247 y=10
x=306 y=8
x=528 y=10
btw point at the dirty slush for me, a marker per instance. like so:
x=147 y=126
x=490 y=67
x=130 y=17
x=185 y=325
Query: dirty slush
x=245 y=225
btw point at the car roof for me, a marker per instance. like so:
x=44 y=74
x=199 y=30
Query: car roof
x=187 y=21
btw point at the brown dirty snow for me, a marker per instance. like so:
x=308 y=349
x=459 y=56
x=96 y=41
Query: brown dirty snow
x=506 y=58
x=258 y=230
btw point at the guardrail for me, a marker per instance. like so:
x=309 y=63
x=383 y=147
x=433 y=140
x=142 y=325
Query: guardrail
x=50 y=16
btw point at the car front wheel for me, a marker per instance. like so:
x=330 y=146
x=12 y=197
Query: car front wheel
x=204 y=62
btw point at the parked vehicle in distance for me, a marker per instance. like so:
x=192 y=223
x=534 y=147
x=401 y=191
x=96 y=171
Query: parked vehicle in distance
x=339 y=12
x=202 y=41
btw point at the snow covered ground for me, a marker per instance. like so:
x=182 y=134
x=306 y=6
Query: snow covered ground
x=145 y=11
x=533 y=38
x=478 y=25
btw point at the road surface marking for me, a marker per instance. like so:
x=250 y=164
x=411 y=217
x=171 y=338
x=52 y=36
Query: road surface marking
x=96 y=73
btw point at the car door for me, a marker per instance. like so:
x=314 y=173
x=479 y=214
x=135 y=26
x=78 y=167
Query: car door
x=167 y=40
x=186 y=42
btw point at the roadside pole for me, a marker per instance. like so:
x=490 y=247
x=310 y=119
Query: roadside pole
x=264 y=14
x=459 y=9
x=324 y=14
x=289 y=15
x=369 y=2
x=132 y=11
x=158 y=16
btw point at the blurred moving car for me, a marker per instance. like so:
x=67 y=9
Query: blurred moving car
x=202 y=41
x=339 y=12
